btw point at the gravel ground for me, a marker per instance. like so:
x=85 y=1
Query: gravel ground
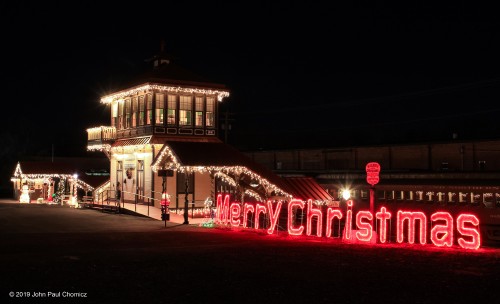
x=85 y=256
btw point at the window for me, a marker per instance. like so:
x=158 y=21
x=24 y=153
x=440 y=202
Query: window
x=141 y=111
x=381 y=194
x=441 y=197
x=390 y=194
x=160 y=106
x=114 y=115
x=140 y=179
x=408 y=195
x=462 y=197
x=172 y=108
x=149 y=109
x=127 y=113
x=364 y=194
x=119 y=175
x=400 y=195
x=420 y=195
x=451 y=197
x=185 y=111
x=134 y=112
x=198 y=115
x=120 y=115
x=429 y=196
x=209 y=114
x=181 y=183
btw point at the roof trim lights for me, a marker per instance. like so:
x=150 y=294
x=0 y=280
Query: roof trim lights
x=149 y=87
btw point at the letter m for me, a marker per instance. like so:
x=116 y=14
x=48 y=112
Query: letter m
x=222 y=209
x=411 y=218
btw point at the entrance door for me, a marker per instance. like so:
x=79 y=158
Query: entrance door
x=119 y=180
x=140 y=181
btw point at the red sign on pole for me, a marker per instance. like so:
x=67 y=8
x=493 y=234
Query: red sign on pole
x=372 y=173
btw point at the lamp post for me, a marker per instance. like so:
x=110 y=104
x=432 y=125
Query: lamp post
x=372 y=177
x=346 y=194
x=75 y=189
x=186 y=202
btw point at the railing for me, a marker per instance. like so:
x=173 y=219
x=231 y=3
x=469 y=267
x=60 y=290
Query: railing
x=108 y=201
x=138 y=198
x=103 y=133
x=195 y=206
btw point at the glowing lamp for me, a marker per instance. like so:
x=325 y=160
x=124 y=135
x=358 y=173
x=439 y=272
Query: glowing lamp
x=346 y=194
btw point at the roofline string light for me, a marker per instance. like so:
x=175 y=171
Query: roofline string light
x=149 y=87
x=18 y=174
x=81 y=184
x=253 y=194
x=174 y=164
x=225 y=178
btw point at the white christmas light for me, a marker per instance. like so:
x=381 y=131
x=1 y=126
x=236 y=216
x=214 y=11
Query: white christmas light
x=149 y=87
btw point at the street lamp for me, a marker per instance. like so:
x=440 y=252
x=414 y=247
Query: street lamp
x=75 y=189
x=346 y=194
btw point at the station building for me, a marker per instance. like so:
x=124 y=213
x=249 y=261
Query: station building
x=163 y=141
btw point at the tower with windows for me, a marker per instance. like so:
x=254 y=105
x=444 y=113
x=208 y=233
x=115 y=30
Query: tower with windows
x=166 y=121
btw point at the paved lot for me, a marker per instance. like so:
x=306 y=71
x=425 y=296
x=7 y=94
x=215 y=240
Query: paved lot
x=109 y=258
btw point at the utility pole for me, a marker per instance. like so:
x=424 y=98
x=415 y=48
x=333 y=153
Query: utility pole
x=186 y=201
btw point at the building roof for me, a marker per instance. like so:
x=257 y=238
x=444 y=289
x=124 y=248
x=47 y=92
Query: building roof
x=305 y=188
x=92 y=171
x=173 y=74
x=205 y=154
x=219 y=154
x=164 y=71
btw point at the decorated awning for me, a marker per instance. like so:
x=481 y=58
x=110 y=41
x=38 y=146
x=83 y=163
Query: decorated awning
x=132 y=142
x=86 y=179
x=223 y=160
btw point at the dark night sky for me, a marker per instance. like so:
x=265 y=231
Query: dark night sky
x=307 y=75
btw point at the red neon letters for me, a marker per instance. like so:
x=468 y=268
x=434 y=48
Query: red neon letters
x=409 y=224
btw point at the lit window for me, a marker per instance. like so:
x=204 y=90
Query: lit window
x=160 y=106
x=127 y=113
x=172 y=108
x=134 y=111
x=198 y=115
x=114 y=114
x=141 y=111
x=120 y=115
x=185 y=111
x=209 y=114
x=149 y=109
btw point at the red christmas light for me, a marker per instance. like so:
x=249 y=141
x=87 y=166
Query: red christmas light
x=222 y=209
x=330 y=215
x=348 y=221
x=411 y=218
x=259 y=208
x=235 y=214
x=442 y=235
x=274 y=215
x=291 y=229
x=247 y=208
x=383 y=216
x=314 y=212
x=365 y=236
x=473 y=233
